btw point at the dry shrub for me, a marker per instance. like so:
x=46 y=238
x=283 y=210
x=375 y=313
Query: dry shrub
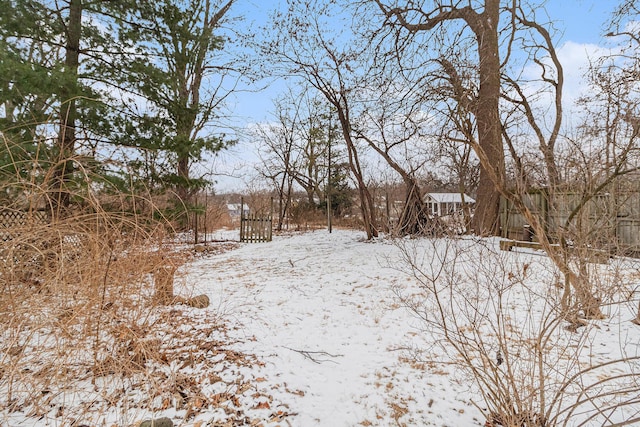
x=70 y=287
x=217 y=216
x=305 y=216
x=212 y=214
x=500 y=323
x=79 y=329
x=86 y=335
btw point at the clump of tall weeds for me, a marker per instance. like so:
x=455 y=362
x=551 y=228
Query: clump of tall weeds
x=77 y=324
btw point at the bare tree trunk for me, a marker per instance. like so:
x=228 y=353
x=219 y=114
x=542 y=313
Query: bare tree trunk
x=486 y=107
x=285 y=190
x=413 y=219
x=367 y=207
x=68 y=113
x=492 y=169
x=585 y=301
x=183 y=189
x=281 y=203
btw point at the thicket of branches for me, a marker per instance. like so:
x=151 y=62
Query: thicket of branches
x=502 y=326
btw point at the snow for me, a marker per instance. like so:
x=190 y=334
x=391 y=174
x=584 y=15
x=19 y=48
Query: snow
x=332 y=343
x=320 y=311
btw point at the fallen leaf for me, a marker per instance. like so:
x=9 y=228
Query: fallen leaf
x=263 y=405
x=166 y=402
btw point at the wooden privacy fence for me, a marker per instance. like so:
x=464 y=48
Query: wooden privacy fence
x=255 y=227
x=606 y=221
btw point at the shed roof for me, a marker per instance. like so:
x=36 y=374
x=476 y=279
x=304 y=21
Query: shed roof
x=449 y=198
x=236 y=207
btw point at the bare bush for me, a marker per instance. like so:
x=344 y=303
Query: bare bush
x=499 y=321
x=70 y=288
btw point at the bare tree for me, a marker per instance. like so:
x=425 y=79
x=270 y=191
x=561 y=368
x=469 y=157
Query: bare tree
x=528 y=371
x=313 y=144
x=68 y=113
x=279 y=158
x=415 y=17
x=303 y=47
x=474 y=105
x=457 y=126
x=296 y=149
x=393 y=126
x=607 y=168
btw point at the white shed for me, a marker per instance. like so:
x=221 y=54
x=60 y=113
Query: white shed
x=441 y=204
x=234 y=209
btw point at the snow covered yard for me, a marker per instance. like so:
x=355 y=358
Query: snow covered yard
x=322 y=312
x=315 y=329
x=319 y=310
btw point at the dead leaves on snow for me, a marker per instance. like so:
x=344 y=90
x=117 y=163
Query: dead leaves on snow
x=180 y=360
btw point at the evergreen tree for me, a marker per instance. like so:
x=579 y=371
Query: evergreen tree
x=175 y=86
x=51 y=54
x=341 y=193
x=27 y=68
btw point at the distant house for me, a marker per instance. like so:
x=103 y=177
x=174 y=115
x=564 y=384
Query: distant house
x=234 y=210
x=441 y=204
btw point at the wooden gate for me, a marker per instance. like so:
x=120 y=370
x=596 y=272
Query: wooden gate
x=255 y=227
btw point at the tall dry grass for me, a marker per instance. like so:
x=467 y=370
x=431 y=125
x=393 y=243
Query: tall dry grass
x=80 y=338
